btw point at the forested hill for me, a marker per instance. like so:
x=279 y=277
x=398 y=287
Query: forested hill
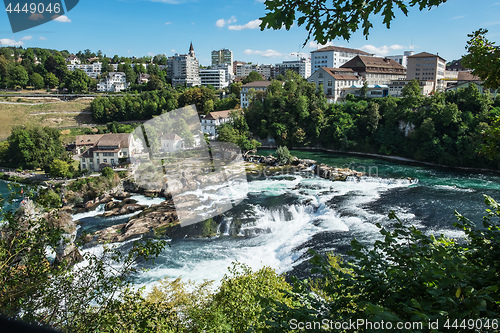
x=453 y=128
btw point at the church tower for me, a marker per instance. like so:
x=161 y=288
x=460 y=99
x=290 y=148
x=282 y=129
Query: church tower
x=191 y=50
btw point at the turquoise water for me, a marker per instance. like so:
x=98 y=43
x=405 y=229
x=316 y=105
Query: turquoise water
x=282 y=216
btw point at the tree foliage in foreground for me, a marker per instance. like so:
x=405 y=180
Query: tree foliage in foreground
x=484 y=58
x=407 y=276
x=327 y=20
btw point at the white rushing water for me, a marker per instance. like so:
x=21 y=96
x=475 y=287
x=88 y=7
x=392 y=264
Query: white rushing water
x=274 y=234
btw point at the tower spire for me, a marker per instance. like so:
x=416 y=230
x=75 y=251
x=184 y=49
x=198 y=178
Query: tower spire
x=191 y=50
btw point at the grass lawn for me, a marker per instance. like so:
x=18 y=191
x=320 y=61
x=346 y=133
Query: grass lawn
x=45 y=112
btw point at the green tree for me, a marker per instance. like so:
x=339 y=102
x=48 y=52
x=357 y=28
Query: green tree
x=78 y=81
x=37 y=80
x=33 y=147
x=51 y=80
x=59 y=168
x=483 y=58
x=18 y=77
x=339 y=18
x=252 y=76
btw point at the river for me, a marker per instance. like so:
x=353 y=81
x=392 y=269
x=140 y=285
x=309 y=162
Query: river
x=284 y=215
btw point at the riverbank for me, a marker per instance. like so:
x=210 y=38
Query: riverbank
x=400 y=159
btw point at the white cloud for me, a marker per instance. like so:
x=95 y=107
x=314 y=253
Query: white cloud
x=221 y=22
x=62 y=18
x=168 y=23
x=457 y=18
x=10 y=42
x=172 y=50
x=27 y=38
x=315 y=45
x=267 y=53
x=250 y=25
x=382 y=50
x=42 y=38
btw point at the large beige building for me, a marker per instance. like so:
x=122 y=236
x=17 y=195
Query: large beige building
x=375 y=70
x=425 y=66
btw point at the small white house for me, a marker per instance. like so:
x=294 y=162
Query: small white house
x=170 y=143
x=212 y=120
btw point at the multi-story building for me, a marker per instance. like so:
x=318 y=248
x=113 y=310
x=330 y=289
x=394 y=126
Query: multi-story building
x=426 y=66
x=375 y=70
x=302 y=67
x=101 y=150
x=228 y=70
x=335 y=81
x=210 y=122
x=92 y=70
x=222 y=57
x=333 y=56
x=184 y=69
x=256 y=85
x=114 y=81
x=396 y=87
x=267 y=71
x=215 y=77
x=402 y=59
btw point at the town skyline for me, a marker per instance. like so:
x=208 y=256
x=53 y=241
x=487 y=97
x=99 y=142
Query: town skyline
x=150 y=27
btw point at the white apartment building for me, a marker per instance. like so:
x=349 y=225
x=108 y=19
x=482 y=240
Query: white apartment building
x=335 y=81
x=396 y=87
x=214 y=77
x=256 y=85
x=184 y=69
x=92 y=70
x=301 y=66
x=402 y=59
x=333 y=57
x=210 y=122
x=228 y=71
x=114 y=81
x=102 y=150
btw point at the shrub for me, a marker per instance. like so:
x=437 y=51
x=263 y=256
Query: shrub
x=284 y=156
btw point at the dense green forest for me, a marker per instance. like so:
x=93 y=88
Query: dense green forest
x=153 y=103
x=446 y=128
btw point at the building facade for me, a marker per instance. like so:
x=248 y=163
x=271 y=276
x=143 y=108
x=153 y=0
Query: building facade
x=402 y=59
x=301 y=67
x=210 y=122
x=426 y=66
x=333 y=56
x=92 y=70
x=184 y=69
x=222 y=57
x=114 y=81
x=214 y=77
x=375 y=70
x=101 y=150
x=335 y=81
x=256 y=85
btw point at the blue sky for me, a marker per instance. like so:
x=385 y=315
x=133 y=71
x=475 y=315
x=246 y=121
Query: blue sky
x=149 y=27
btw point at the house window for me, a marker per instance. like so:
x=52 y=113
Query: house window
x=329 y=83
x=105 y=160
